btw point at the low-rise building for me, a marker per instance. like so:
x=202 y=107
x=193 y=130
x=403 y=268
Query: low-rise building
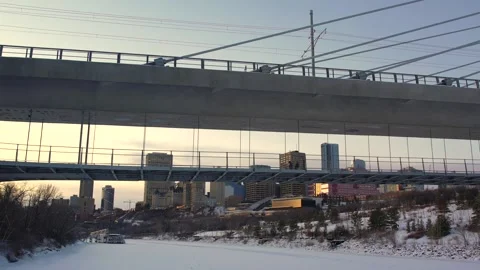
x=61 y=201
x=346 y=190
x=292 y=189
x=294 y=202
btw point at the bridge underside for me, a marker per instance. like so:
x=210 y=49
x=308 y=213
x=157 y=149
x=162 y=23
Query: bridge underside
x=19 y=171
x=58 y=92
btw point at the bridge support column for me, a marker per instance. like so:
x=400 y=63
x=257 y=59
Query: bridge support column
x=40 y=145
x=79 y=161
x=390 y=149
x=28 y=133
x=431 y=147
x=408 y=152
x=88 y=138
x=369 y=160
x=471 y=150
x=144 y=140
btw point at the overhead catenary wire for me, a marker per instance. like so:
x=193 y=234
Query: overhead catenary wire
x=393 y=40
x=228 y=30
x=193 y=44
x=396 y=44
x=446 y=70
x=220 y=27
x=132 y=18
x=298 y=29
x=469 y=75
x=384 y=38
x=362 y=59
x=416 y=59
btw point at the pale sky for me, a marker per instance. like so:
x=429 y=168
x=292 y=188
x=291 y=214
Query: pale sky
x=178 y=27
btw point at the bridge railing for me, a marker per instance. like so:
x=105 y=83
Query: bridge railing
x=234 y=160
x=217 y=64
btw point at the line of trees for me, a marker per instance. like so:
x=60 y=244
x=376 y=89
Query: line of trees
x=380 y=216
x=27 y=217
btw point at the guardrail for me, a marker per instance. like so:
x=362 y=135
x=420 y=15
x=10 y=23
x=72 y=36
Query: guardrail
x=229 y=160
x=217 y=64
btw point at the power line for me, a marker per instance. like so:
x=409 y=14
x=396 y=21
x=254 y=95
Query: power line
x=133 y=18
x=165 y=21
x=396 y=44
x=162 y=21
x=212 y=30
x=190 y=44
x=300 y=28
x=383 y=38
x=141 y=38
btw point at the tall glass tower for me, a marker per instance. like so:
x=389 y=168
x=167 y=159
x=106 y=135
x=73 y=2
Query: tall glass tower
x=330 y=156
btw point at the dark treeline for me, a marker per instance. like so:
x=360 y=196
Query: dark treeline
x=27 y=217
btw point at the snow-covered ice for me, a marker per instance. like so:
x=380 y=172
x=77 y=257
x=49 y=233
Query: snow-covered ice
x=154 y=254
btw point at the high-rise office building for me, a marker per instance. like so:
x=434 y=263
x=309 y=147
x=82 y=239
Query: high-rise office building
x=217 y=192
x=86 y=189
x=82 y=206
x=158 y=160
x=292 y=189
x=259 y=191
x=194 y=195
x=293 y=160
x=330 y=156
x=108 y=196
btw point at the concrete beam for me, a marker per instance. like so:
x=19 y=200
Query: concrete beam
x=175 y=97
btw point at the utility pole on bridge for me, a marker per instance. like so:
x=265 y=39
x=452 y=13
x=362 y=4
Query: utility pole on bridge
x=312 y=45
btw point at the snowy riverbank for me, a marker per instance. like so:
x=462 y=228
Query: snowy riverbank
x=154 y=254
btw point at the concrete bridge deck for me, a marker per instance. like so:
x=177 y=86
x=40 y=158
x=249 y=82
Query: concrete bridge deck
x=59 y=91
x=16 y=171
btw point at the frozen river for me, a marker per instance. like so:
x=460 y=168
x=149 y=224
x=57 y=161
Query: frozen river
x=152 y=254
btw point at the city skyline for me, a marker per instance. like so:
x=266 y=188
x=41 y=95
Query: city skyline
x=181 y=27
x=134 y=191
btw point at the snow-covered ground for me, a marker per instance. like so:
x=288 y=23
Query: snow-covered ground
x=154 y=254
